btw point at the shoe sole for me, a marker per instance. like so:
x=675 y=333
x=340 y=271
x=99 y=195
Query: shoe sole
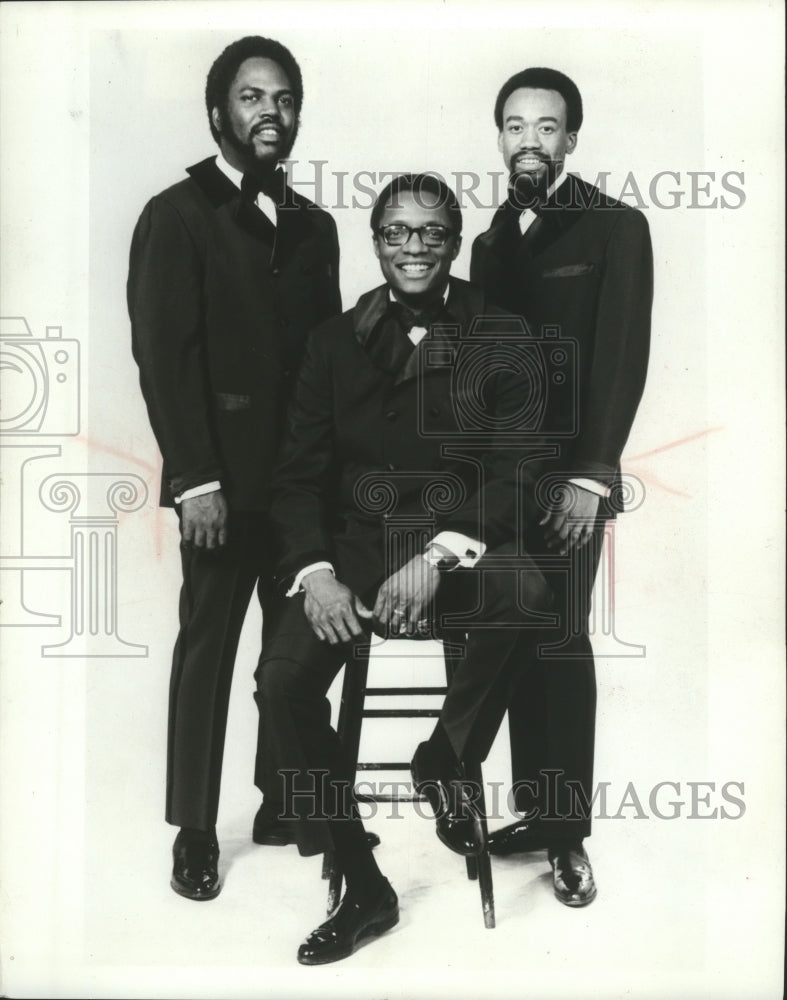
x=372 y=931
x=272 y=839
x=198 y=897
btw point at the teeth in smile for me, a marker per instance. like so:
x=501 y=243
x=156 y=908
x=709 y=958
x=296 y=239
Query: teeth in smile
x=416 y=267
x=268 y=133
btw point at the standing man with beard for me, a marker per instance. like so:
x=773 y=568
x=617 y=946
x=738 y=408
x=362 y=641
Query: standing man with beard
x=574 y=262
x=229 y=270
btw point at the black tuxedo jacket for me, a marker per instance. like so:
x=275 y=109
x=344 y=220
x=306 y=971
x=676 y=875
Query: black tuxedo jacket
x=381 y=442
x=588 y=279
x=221 y=303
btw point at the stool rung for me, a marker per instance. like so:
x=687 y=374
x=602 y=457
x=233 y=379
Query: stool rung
x=400 y=713
x=385 y=765
x=406 y=690
x=390 y=798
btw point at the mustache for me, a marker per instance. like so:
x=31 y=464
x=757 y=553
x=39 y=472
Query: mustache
x=271 y=121
x=532 y=156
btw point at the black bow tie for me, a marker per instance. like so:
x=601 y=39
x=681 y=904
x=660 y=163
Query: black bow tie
x=517 y=206
x=270 y=184
x=408 y=318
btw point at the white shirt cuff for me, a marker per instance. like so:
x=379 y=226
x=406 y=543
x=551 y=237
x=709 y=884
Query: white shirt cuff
x=592 y=486
x=467 y=550
x=311 y=568
x=199 y=491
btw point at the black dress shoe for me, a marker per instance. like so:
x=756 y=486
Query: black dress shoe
x=517 y=838
x=268 y=829
x=459 y=823
x=195 y=872
x=271 y=831
x=350 y=924
x=572 y=875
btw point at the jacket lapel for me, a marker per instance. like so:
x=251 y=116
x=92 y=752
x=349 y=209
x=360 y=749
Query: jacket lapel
x=294 y=224
x=560 y=213
x=464 y=304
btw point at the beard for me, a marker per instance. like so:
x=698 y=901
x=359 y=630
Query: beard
x=247 y=150
x=526 y=189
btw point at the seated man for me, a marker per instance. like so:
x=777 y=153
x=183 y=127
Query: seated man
x=373 y=413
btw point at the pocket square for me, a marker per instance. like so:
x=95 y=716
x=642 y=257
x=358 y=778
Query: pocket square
x=568 y=271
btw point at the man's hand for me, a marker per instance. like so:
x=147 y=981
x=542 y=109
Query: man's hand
x=404 y=596
x=572 y=522
x=203 y=521
x=331 y=608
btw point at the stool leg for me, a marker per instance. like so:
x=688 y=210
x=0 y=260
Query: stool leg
x=487 y=890
x=334 y=889
x=481 y=867
x=348 y=728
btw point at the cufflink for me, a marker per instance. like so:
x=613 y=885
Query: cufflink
x=441 y=559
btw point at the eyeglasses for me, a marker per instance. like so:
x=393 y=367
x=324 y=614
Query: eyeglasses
x=397 y=234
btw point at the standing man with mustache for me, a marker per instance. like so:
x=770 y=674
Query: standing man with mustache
x=229 y=270
x=576 y=264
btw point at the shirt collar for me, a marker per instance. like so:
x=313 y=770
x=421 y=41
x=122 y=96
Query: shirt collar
x=558 y=183
x=561 y=180
x=554 y=186
x=236 y=176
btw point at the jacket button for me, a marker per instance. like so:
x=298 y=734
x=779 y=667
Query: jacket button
x=391 y=415
x=275 y=271
x=391 y=467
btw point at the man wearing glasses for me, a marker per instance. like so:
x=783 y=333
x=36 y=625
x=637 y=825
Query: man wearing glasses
x=402 y=492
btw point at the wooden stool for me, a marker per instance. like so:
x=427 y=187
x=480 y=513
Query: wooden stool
x=352 y=712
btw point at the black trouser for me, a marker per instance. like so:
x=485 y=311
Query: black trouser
x=214 y=598
x=297 y=669
x=552 y=711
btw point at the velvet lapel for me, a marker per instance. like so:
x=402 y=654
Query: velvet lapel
x=464 y=304
x=292 y=216
x=560 y=212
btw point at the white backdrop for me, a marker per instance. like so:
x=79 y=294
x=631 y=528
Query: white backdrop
x=102 y=107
